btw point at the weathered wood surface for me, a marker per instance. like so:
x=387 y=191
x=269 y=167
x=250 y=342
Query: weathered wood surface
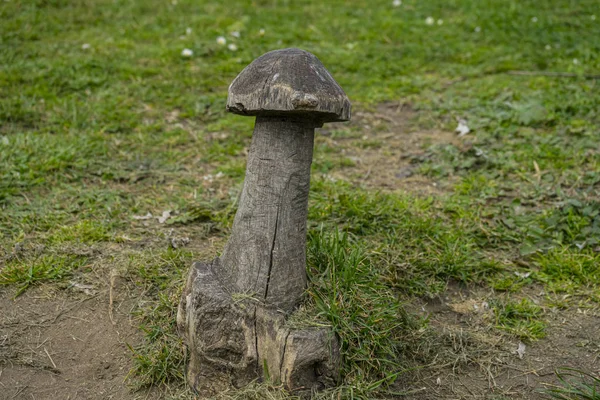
x=266 y=252
x=233 y=341
x=288 y=81
x=233 y=310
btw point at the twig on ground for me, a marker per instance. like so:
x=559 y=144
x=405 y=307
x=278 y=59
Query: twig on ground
x=367 y=174
x=113 y=276
x=63 y=311
x=51 y=360
x=22 y=388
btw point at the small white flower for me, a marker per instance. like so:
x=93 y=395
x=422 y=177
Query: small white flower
x=397 y=3
x=429 y=21
x=548 y=47
x=85 y=46
x=188 y=31
x=534 y=19
x=235 y=34
x=221 y=40
x=187 y=53
x=440 y=21
x=477 y=29
x=232 y=47
x=261 y=32
x=593 y=17
x=575 y=61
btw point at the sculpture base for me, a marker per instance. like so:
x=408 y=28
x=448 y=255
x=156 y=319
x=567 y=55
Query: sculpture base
x=234 y=339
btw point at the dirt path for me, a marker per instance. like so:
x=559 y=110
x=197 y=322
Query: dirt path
x=63 y=345
x=478 y=362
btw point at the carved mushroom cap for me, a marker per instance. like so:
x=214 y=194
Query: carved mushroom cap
x=289 y=82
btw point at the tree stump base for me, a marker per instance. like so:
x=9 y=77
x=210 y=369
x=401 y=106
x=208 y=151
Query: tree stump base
x=234 y=339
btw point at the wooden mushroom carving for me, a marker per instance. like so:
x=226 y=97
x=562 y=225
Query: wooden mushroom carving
x=232 y=312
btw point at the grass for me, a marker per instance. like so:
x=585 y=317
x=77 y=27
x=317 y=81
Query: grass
x=350 y=293
x=102 y=121
x=522 y=319
x=159 y=360
x=45 y=268
x=575 y=385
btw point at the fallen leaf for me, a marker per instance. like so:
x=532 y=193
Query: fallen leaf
x=465 y=307
x=404 y=173
x=521 y=350
x=522 y=274
x=462 y=127
x=179 y=242
x=165 y=216
x=142 y=217
x=87 y=289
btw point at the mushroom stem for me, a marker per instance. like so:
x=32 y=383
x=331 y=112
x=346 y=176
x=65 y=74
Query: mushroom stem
x=266 y=252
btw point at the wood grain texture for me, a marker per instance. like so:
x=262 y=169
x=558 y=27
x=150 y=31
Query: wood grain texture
x=266 y=252
x=233 y=341
x=288 y=82
x=232 y=313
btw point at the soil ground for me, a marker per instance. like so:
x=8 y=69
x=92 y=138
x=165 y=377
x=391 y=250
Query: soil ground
x=60 y=344
x=74 y=343
x=63 y=345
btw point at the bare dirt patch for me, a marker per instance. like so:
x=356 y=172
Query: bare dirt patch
x=477 y=361
x=71 y=339
x=62 y=344
x=386 y=152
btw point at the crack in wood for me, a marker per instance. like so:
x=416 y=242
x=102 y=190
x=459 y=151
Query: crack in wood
x=272 y=249
x=256 y=343
x=285 y=342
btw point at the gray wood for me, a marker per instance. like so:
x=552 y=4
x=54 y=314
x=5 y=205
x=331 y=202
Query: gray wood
x=266 y=253
x=233 y=341
x=288 y=81
x=233 y=310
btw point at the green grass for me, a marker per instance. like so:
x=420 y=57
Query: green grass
x=84 y=231
x=160 y=358
x=355 y=297
x=575 y=385
x=92 y=136
x=399 y=229
x=522 y=319
x=45 y=268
